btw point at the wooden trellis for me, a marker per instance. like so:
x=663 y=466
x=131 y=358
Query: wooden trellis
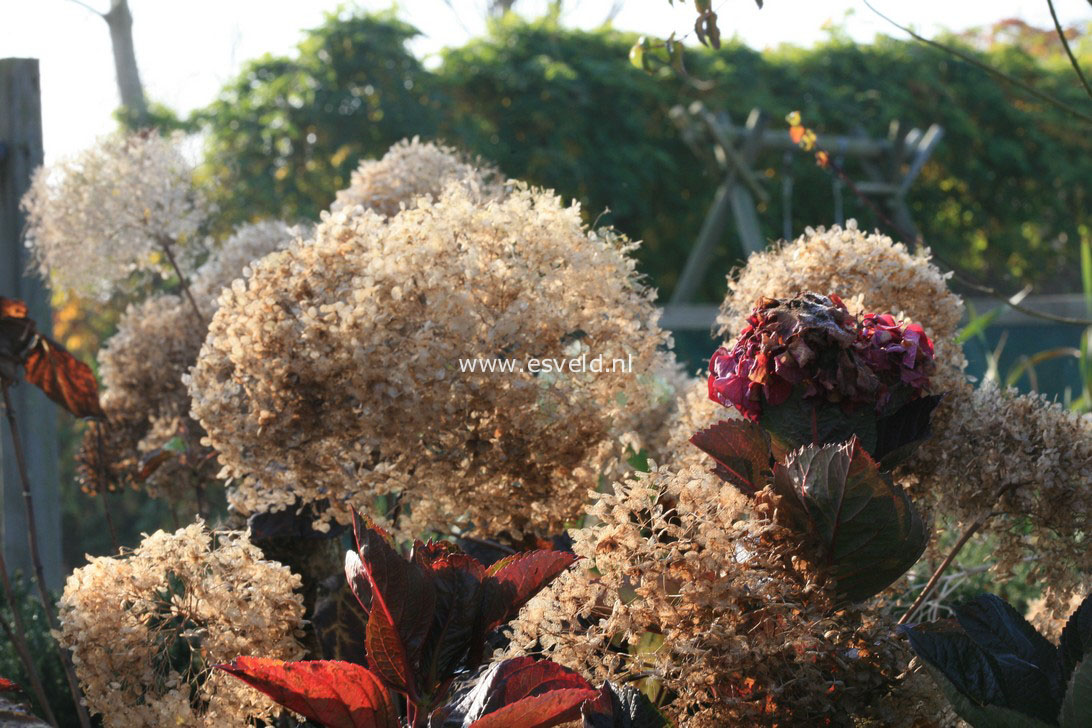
x=891 y=165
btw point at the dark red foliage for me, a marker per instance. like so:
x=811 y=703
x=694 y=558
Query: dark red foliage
x=428 y=617
x=811 y=344
x=333 y=694
x=525 y=692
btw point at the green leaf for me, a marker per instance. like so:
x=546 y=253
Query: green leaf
x=865 y=528
x=1077 y=706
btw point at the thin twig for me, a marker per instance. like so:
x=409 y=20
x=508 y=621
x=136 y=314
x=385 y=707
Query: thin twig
x=1068 y=50
x=1027 y=87
x=36 y=556
x=963 y=539
x=87 y=7
x=17 y=637
x=959 y=544
x=165 y=244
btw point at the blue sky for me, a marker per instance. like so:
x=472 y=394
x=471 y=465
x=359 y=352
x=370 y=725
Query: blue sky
x=186 y=50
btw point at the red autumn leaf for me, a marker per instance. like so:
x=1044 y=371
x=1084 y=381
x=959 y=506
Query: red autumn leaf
x=64 y=378
x=528 y=693
x=334 y=694
x=741 y=452
x=517 y=578
x=7 y=686
x=403 y=598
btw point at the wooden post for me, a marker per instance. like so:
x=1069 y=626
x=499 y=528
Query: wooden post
x=20 y=155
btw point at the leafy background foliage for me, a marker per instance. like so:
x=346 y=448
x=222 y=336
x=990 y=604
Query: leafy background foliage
x=565 y=109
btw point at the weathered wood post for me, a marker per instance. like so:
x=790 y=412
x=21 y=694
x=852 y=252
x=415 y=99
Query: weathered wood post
x=20 y=155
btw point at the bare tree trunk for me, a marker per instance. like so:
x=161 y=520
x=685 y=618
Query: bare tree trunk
x=120 y=21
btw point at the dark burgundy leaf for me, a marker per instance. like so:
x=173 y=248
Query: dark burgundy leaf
x=1076 y=641
x=333 y=694
x=151 y=462
x=865 y=528
x=741 y=451
x=64 y=379
x=523 y=692
x=625 y=708
x=340 y=624
x=514 y=580
x=901 y=432
x=540 y=711
x=987 y=679
x=403 y=598
x=1001 y=631
x=455 y=631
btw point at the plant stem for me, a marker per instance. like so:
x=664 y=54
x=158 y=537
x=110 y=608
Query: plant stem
x=935 y=578
x=165 y=243
x=959 y=544
x=1068 y=50
x=36 y=557
x=17 y=637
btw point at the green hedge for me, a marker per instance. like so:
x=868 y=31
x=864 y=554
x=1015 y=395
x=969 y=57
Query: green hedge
x=563 y=108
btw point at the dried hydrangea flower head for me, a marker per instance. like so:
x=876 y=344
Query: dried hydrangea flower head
x=334 y=370
x=97 y=217
x=146 y=627
x=811 y=345
x=411 y=169
x=141 y=369
x=691 y=592
x=870 y=272
x=1027 y=462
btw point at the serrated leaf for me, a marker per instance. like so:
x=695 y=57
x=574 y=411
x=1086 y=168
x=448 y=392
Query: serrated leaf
x=865 y=528
x=455 y=627
x=403 y=598
x=1077 y=706
x=1002 y=632
x=333 y=694
x=515 y=579
x=1076 y=641
x=992 y=685
x=741 y=452
x=625 y=708
x=523 y=692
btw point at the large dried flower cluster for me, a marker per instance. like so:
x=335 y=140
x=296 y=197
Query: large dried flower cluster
x=681 y=587
x=141 y=368
x=409 y=170
x=146 y=627
x=336 y=371
x=97 y=217
x=869 y=271
x=1028 y=462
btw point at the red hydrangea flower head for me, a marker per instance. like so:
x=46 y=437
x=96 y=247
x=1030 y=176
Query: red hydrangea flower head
x=812 y=342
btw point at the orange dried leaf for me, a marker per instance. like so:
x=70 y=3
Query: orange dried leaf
x=64 y=379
